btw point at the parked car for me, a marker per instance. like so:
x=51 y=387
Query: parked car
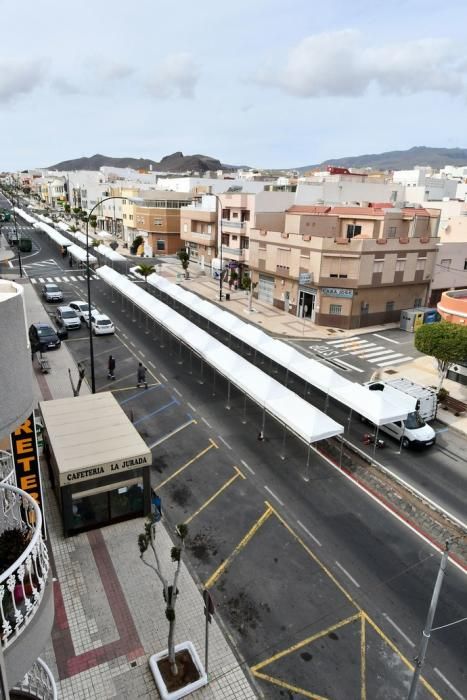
x=68 y=318
x=101 y=324
x=82 y=309
x=43 y=337
x=51 y=292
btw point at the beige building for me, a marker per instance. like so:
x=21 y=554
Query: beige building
x=451 y=265
x=346 y=267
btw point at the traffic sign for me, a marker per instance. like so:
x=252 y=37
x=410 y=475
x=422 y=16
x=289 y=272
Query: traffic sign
x=208 y=605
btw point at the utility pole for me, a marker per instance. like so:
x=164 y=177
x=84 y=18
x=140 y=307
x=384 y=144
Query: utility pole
x=420 y=659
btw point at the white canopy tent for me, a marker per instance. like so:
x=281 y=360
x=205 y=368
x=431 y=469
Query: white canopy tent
x=385 y=409
x=294 y=413
x=79 y=254
x=107 y=252
x=27 y=217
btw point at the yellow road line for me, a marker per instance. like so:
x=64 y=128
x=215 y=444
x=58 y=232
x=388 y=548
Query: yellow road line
x=288 y=686
x=184 y=466
x=314 y=557
x=362 y=658
x=217 y=493
x=306 y=641
x=396 y=650
x=137 y=357
x=238 y=548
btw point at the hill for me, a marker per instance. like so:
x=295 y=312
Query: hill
x=175 y=163
x=399 y=160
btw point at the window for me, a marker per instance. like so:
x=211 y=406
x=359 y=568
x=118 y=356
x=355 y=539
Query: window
x=246 y=215
x=158 y=222
x=353 y=230
x=364 y=307
x=235 y=215
x=185 y=228
x=417 y=302
x=160 y=245
x=400 y=265
x=421 y=264
x=209 y=228
x=389 y=306
x=226 y=214
x=130 y=217
x=244 y=242
x=465 y=264
x=392 y=231
x=225 y=239
x=335 y=309
x=447 y=263
x=378 y=266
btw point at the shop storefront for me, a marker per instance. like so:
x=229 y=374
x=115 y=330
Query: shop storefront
x=98 y=463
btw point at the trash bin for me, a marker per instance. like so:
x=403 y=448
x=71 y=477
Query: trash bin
x=227 y=297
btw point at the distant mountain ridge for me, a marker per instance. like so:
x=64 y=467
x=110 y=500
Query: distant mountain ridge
x=399 y=160
x=175 y=163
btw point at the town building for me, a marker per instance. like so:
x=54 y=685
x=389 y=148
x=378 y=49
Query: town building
x=346 y=267
x=450 y=271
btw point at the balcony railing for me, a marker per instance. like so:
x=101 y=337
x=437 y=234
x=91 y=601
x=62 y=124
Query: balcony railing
x=7 y=469
x=22 y=585
x=38 y=683
x=238 y=252
x=233 y=223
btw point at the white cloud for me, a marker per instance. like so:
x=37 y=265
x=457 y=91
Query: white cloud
x=176 y=76
x=19 y=78
x=343 y=64
x=65 y=87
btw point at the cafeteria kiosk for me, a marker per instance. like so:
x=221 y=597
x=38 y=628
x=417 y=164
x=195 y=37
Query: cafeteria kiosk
x=98 y=462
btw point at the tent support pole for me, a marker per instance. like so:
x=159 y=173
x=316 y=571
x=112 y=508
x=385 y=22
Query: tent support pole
x=154 y=337
x=306 y=477
x=244 y=410
x=341 y=453
x=201 y=380
x=180 y=359
x=326 y=403
x=147 y=329
x=112 y=294
x=263 y=425
x=228 y=396
x=162 y=344
x=304 y=393
x=190 y=371
x=133 y=317
x=376 y=440
x=214 y=382
x=349 y=421
x=286 y=377
x=123 y=302
x=284 y=435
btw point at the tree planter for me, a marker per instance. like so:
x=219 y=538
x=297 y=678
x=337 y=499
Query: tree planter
x=191 y=675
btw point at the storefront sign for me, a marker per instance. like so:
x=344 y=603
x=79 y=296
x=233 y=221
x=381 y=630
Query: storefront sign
x=69 y=478
x=336 y=292
x=26 y=458
x=304 y=278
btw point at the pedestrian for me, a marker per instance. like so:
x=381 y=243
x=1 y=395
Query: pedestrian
x=260 y=436
x=111 y=367
x=70 y=261
x=142 y=376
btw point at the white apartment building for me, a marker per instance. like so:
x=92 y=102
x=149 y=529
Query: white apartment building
x=348 y=191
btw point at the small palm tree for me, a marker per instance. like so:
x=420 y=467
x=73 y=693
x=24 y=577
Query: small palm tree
x=145 y=271
x=184 y=258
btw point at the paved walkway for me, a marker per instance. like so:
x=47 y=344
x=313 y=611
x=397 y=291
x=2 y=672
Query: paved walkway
x=109 y=612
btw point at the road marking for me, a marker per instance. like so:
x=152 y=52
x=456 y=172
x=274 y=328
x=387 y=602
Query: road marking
x=449 y=684
x=252 y=531
x=192 y=407
x=187 y=464
x=139 y=392
x=342 y=340
x=179 y=393
x=379 y=350
x=369 y=353
x=81 y=278
x=383 y=337
x=73 y=279
x=141 y=353
x=246 y=466
x=41 y=280
x=152 y=364
x=169 y=435
x=164 y=377
x=217 y=493
x=355 y=583
x=33 y=281
x=132 y=344
x=274 y=495
x=158 y=410
x=224 y=441
x=395 y=362
x=398 y=630
x=65 y=279
x=360 y=351
x=125 y=336
x=57 y=279
x=49 y=279
x=390 y=356
x=346 y=364
x=315 y=539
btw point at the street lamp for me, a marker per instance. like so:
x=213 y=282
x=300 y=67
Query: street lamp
x=211 y=194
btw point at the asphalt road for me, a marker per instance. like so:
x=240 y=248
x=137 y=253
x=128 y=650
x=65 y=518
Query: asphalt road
x=317 y=584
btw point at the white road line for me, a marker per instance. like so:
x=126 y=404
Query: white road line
x=346 y=364
x=33 y=281
x=352 y=344
x=81 y=278
x=41 y=280
x=125 y=336
x=141 y=353
x=315 y=539
x=10 y=264
x=362 y=350
x=390 y=356
x=73 y=279
x=169 y=435
x=398 y=629
x=192 y=408
x=57 y=279
x=338 y=342
x=344 y=571
x=395 y=362
x=376 y=351
x=179 y=393
x=247 y=466
x=383 y=337
x=206 y=422
x=132 y=344
x=49 y=279
x=164 y=377
x=65 y=279
x=224 y=441
x=273 y=495
x=449 y=684
x=95 y=277
x=152 y=364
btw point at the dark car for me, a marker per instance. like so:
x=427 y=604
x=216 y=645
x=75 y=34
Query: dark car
x=43 y=337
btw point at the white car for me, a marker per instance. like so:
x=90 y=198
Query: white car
x=101 y=324
x=82 y=309
x=67 y=318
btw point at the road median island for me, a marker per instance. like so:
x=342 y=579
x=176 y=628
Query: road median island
x=411 y=507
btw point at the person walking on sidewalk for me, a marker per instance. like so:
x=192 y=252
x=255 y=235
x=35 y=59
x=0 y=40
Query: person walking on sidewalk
x=142 y=376
x=111 y=367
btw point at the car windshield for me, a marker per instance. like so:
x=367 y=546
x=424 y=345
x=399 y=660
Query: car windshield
x=42 y=332
x=103 y=322
x=83 y=307
x=414 y=420
x=68 y=314
x=52 y=288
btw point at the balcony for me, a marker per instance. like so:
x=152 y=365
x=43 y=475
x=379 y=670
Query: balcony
x=37 y=683
x=26 y=603
x=7 y=469
x=208 y=239
x=240 y=254
x=233 y=223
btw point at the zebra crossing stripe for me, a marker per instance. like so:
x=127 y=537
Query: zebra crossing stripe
x=41 y=280
x=49 y=279
x=95 y=277
x=360 y=352
x=73 y=279
x=341 y=341
x=376 y=351
x=65 y=279
x=33 y=281
x=57 y=279
x=389 y=355
x=81 y=278
x=395 y=362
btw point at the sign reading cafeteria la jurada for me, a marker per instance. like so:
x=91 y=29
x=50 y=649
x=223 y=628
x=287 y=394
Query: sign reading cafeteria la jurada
x=69 y=478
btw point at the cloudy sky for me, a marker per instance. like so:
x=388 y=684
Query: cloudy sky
x=268 y=83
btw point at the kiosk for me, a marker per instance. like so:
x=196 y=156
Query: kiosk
x=98 y=463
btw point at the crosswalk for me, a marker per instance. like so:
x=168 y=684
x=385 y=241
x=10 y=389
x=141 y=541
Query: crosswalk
x=372 y=352
x=64 y=278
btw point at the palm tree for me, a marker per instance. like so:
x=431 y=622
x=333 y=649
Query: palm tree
x=145 y=271
x=184 y=258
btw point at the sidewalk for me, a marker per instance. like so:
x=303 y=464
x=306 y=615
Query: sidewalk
x=109 y=612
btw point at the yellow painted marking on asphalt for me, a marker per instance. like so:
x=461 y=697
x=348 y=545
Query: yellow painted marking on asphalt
x=288 y=686
x=137 y=357
x=363 y=658
x=217 y=493
x=402 y=657
x=118 y=379
x=184 y=466
x=220 y=570
x=314 y=557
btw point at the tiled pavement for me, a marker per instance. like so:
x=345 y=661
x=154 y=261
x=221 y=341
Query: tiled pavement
x=109 y=611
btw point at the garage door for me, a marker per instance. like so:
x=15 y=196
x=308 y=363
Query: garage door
x=266 y=289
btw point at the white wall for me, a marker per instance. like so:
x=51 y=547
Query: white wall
x=348 y=192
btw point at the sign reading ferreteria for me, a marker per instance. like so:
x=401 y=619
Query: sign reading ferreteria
x=26 y=458
x=337 y=292
x=98 y=470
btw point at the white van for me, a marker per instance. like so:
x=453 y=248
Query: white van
x=412 y=432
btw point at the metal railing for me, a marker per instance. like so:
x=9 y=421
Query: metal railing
x=23 y=583
x=7 y=468
x=233 y=223
x=38 y=682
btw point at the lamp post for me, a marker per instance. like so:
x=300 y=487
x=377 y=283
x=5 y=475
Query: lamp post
x=218 y=201
x=16 y=230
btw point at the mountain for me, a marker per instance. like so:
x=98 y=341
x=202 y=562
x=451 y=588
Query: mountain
x=399 y=160
x=174 y=163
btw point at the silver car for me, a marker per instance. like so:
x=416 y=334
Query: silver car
x=51 y=292
x=67 y=318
